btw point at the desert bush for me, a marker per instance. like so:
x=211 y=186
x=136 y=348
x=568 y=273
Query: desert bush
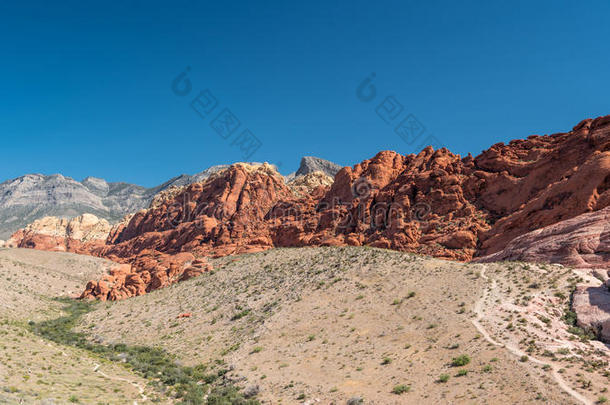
x=460 y=360
x=401 y=389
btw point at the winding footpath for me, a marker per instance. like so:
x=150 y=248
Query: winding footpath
x=478 y=310
x=96 y=369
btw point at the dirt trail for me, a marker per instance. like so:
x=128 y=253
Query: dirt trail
x=479 y=311
x=96 y=369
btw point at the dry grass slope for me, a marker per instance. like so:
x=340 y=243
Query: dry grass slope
x=312 y=324
x=33 y=370
x=331 y=324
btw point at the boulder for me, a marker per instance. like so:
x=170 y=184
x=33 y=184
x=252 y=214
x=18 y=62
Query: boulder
x=592 y=307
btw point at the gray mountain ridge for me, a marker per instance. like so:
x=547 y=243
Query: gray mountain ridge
x=34 y=196
x=310 y=164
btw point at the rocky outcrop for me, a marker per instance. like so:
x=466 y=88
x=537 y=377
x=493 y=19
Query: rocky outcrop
x=434 y=202
x=582 y=241
x=59 y=234
x=148 y=271
x=165 y=195
x=306 y=184
x=220 y=216
x=533 y=183
x=250 y=208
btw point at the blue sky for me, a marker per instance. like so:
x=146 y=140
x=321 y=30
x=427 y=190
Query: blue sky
x=86 y=87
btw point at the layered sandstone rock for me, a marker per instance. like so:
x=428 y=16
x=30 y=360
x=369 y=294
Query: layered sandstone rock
x=410 y=202
x=52 y=233
x=165 y=195
x=529 y=184
x=582 y=241
x=308 y=183
x=224 y=215
x=146 y=272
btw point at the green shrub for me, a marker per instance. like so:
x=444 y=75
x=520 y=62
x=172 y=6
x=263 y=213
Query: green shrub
x=401 y=389
x=240 y=314
x=460 y=360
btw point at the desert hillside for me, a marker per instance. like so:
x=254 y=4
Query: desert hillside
x=309 y=325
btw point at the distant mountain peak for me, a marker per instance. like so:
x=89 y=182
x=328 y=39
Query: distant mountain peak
x=310 y=164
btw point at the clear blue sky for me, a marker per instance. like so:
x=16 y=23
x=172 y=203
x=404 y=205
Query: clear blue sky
x=85 y=87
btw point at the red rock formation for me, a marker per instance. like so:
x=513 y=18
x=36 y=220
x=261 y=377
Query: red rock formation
x=222 y=216
x=435 y=203
x=582 y=241
x=409 y=203
x=145 y=272
x=540 y=181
